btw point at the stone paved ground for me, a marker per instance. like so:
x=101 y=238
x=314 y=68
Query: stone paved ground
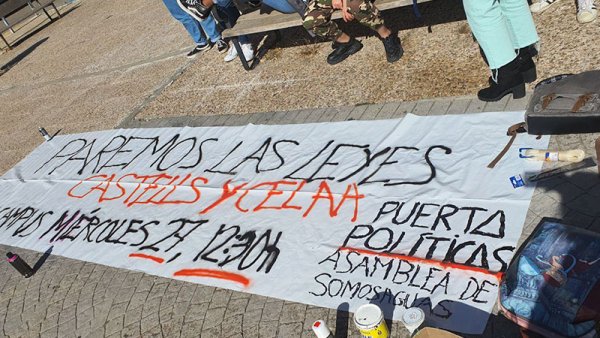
x=69 y=298
x=67 y=75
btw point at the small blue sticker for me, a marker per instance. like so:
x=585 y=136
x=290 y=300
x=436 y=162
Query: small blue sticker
x=517 y=181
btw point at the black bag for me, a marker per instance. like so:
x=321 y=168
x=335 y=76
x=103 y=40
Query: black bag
x=565 y=104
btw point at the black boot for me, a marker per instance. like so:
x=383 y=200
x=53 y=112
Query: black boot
x=509 y=80
x=393 y=48
x=341 y=51
x=526 y=64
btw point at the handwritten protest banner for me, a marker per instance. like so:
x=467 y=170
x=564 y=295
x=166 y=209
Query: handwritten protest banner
x=398 y=212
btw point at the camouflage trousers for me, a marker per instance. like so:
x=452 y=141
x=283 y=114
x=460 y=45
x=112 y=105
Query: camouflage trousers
x=318 y=17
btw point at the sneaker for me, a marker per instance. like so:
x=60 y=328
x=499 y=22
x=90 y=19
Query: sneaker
x=246 y=49
x=341 y=51
x=198 y=49
x=393 y=48
x=231 y=54
x=586 y=11
x=248 y=52
x=222 y=45
x=542 y=5
x=195 y=8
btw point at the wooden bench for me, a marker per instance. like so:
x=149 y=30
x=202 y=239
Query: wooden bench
x=259 y=22
x=13 y=12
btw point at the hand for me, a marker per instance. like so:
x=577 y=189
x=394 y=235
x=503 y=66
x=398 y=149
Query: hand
x=345 y=14
x=336 y=4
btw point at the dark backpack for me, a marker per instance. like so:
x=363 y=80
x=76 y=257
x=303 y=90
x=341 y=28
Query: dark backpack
x=552 y=286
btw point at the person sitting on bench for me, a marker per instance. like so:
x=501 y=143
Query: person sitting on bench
x=201 y=11
x=318 y=20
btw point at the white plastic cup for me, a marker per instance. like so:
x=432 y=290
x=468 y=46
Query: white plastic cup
x=369 y=320
x=413 y=318
x=321 y=330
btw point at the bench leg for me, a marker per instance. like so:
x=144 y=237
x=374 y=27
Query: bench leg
x=238 y=48
x=56 y=10
x=6 y=42
x=7 y=25
x=47 y=14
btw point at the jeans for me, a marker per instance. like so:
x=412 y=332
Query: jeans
x=194 y=27
x=232 y=14
x=280 y=5
x=500 y=27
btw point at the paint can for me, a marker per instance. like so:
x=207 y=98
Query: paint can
x=321 y=329
x=45 y=134
x=19 y=264
x=413 y=318
x=369 y=320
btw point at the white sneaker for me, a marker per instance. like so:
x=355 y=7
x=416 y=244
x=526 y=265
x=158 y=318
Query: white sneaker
x=231 y=54
x=586 y=11
x=246 y=49
x=542 y=5
x=248 y=52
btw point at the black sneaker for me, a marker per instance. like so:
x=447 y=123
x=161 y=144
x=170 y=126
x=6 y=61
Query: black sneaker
x=195 y=8
x=198 y=49
x=393 y=48
x=222 y=45
x=341 y=51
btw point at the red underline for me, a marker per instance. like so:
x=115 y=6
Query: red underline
x=150 y=257
x=444 y=265
x=218 y=274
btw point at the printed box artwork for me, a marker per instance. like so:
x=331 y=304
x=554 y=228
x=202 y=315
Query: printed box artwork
x=553 y=286
x=398 y=212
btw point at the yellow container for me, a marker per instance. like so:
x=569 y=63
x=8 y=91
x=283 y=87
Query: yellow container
x=369 y=320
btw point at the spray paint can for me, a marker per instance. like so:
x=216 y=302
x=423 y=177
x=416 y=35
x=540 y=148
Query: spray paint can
x=19 y=264
x=45 y=134
x=321 y=330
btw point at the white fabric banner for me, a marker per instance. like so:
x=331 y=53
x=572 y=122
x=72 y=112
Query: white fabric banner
x=398 y=213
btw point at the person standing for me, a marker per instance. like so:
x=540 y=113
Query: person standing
x=506 y=33
x=197 y=29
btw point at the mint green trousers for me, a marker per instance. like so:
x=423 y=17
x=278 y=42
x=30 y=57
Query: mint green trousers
x=501 y=27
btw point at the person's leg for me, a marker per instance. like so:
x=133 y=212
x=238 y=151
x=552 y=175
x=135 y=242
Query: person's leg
x=523 y=35
x=368 y=15
x=191 y=25
x=232 y=14
x=365 y=12
x=282 y=6
x=318 y=20
x=520 y=23
x=490 y=28
x=210 y=28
